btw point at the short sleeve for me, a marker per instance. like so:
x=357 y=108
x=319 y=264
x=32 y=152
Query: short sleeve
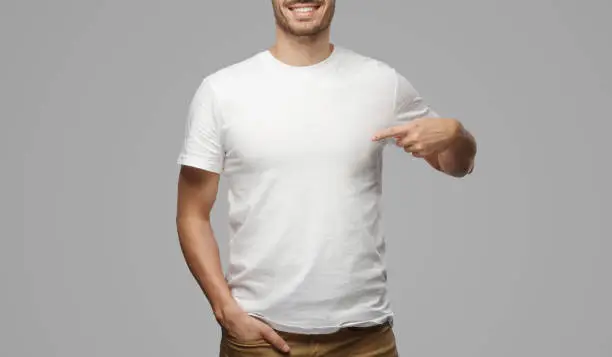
x=409 y=104
x=202 y=147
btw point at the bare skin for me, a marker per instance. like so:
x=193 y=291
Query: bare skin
x=443 y=142
x=302 y=40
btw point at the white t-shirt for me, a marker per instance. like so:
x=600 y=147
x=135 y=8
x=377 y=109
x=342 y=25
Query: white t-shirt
x=306 y=244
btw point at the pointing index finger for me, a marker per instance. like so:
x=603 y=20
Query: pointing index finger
x=389 y=132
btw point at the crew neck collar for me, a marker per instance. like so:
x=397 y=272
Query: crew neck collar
x=277 y=62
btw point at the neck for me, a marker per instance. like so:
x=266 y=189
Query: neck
x=301 y=51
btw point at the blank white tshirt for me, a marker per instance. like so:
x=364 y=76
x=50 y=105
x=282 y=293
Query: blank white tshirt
x=306 y=244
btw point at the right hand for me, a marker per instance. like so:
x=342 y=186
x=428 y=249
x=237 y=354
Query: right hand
x=244 y=327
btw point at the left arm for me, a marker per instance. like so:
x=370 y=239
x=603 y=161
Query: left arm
x=443 y=142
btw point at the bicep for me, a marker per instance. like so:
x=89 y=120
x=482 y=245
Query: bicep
x=197 y=192
x=202 y=156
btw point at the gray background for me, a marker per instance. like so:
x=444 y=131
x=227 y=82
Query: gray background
x=513 y=261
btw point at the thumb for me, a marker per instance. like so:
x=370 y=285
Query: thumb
x=274 y=338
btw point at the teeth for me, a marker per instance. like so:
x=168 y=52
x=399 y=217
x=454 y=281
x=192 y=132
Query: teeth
x=304 y=9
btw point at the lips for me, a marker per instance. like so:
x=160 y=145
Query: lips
x=304 y=7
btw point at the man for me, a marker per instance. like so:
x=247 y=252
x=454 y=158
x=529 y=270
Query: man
x=298 y=131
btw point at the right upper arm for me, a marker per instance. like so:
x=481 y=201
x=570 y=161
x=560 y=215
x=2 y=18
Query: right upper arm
x=197 y=192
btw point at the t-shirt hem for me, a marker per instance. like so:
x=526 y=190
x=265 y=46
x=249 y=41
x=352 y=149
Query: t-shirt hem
x=304 y=329
x=199 y=163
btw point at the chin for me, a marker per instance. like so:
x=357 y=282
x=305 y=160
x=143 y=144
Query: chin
x=300 y=30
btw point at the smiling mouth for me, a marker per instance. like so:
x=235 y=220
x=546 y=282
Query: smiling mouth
x=304 y=9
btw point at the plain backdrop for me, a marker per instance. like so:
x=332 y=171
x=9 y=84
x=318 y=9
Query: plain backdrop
x=514 y=260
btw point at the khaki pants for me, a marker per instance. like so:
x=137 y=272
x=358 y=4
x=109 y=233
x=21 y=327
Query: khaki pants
x=376 y=341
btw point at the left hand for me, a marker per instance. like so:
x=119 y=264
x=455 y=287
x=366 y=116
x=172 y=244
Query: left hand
x=423 y=136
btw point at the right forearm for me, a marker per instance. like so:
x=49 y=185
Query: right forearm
x=201 y=253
